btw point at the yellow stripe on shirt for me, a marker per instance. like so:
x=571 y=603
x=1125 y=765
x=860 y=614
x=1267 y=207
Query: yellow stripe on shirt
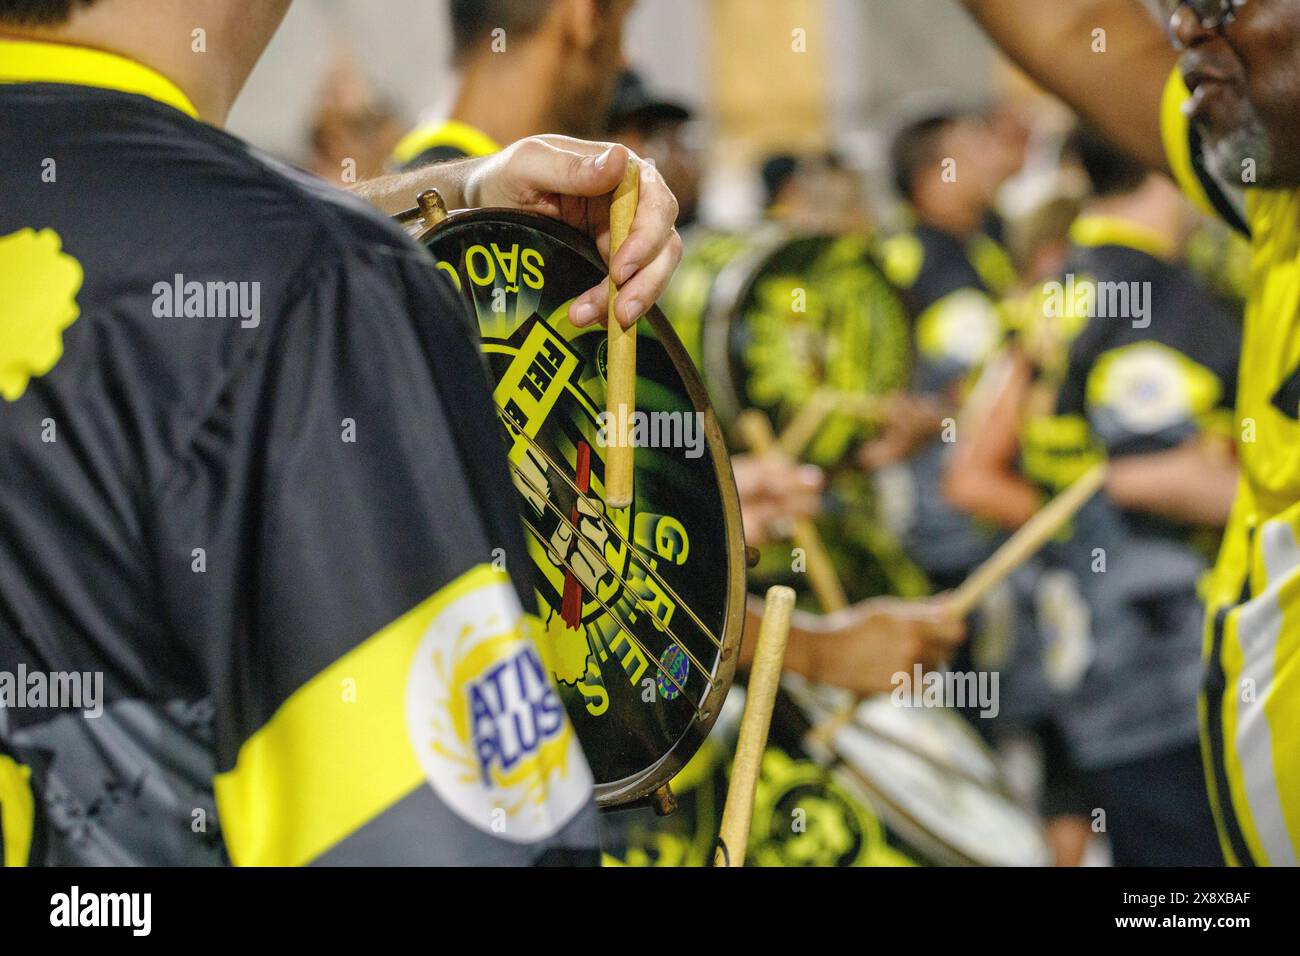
x=461 y=136
x=1175 y=132
x=17 y=811
x=29 y=61
x=337 y=753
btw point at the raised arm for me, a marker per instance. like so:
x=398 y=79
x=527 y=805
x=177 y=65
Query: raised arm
x=1119 y=89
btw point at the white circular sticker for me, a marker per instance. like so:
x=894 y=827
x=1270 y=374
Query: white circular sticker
x=1147 y=390
x=488 y=728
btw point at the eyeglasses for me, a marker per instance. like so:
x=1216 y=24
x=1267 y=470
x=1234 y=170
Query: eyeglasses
x=1212 y=14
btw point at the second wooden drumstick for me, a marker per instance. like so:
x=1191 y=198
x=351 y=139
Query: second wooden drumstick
x=760 y=698
x=1028 y=540
x=1015 y=551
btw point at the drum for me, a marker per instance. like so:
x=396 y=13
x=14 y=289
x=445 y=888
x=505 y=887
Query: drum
x=897 y=787
x=781 y=322
x=641 y=609
x=933 y=781
x=796 y=316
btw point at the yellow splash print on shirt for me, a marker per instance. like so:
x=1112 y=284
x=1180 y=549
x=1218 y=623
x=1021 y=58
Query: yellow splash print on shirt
x=39 y=283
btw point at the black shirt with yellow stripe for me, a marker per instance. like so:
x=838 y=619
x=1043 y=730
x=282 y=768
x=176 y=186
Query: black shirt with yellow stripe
x=1147 y=362
x=1250 y=705
x=252 y=484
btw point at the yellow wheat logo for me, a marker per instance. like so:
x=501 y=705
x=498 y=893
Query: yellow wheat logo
x=38 y=300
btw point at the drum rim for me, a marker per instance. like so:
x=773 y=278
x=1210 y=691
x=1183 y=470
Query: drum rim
x=732 y=283
x=641 y=784
x=886 y=800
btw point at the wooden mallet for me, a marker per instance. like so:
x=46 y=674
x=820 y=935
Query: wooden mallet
x=620 y=358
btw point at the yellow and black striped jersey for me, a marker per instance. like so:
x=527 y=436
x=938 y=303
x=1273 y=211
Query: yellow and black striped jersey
x=1251 y=700
x=255 y=519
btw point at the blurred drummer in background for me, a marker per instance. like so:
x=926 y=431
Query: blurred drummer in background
x=948 y=168
x=815 y=193
x=353 y=130
x=1150 y=390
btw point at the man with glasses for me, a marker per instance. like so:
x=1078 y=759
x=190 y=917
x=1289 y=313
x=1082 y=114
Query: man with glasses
x=1220 y=111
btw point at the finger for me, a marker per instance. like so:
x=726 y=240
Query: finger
x=653 y=229
x=591 y=307
x=653 y=226
x=810 y=479
x=804 y=506
x=947 y=633
x=637 y=295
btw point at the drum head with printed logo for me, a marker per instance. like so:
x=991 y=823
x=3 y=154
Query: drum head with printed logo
x=797 y=317
x=640 y=609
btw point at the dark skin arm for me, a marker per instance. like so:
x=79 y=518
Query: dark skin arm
x=1193 y=484
x=1118 y=91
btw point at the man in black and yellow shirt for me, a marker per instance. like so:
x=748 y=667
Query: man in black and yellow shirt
x=1222 y=108
x=524 y=67
x=952 y=275
x=253 y=509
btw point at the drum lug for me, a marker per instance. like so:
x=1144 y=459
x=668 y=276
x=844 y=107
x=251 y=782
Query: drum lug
x=664 y=801
x=432 y=207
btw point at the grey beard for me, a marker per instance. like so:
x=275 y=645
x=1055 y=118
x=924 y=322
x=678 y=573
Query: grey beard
x=1227 y=159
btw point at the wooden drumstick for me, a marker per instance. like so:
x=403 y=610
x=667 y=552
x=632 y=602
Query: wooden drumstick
x=620 y=373
x=756 y=432
x=1028 y=540
x=803 y=428
x=807 y=422
x=760 y=698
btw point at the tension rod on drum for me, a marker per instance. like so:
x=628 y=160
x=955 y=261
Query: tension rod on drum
x=631 y=549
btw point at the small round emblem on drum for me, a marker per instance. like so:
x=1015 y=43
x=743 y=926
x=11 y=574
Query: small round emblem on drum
x=673 y=671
